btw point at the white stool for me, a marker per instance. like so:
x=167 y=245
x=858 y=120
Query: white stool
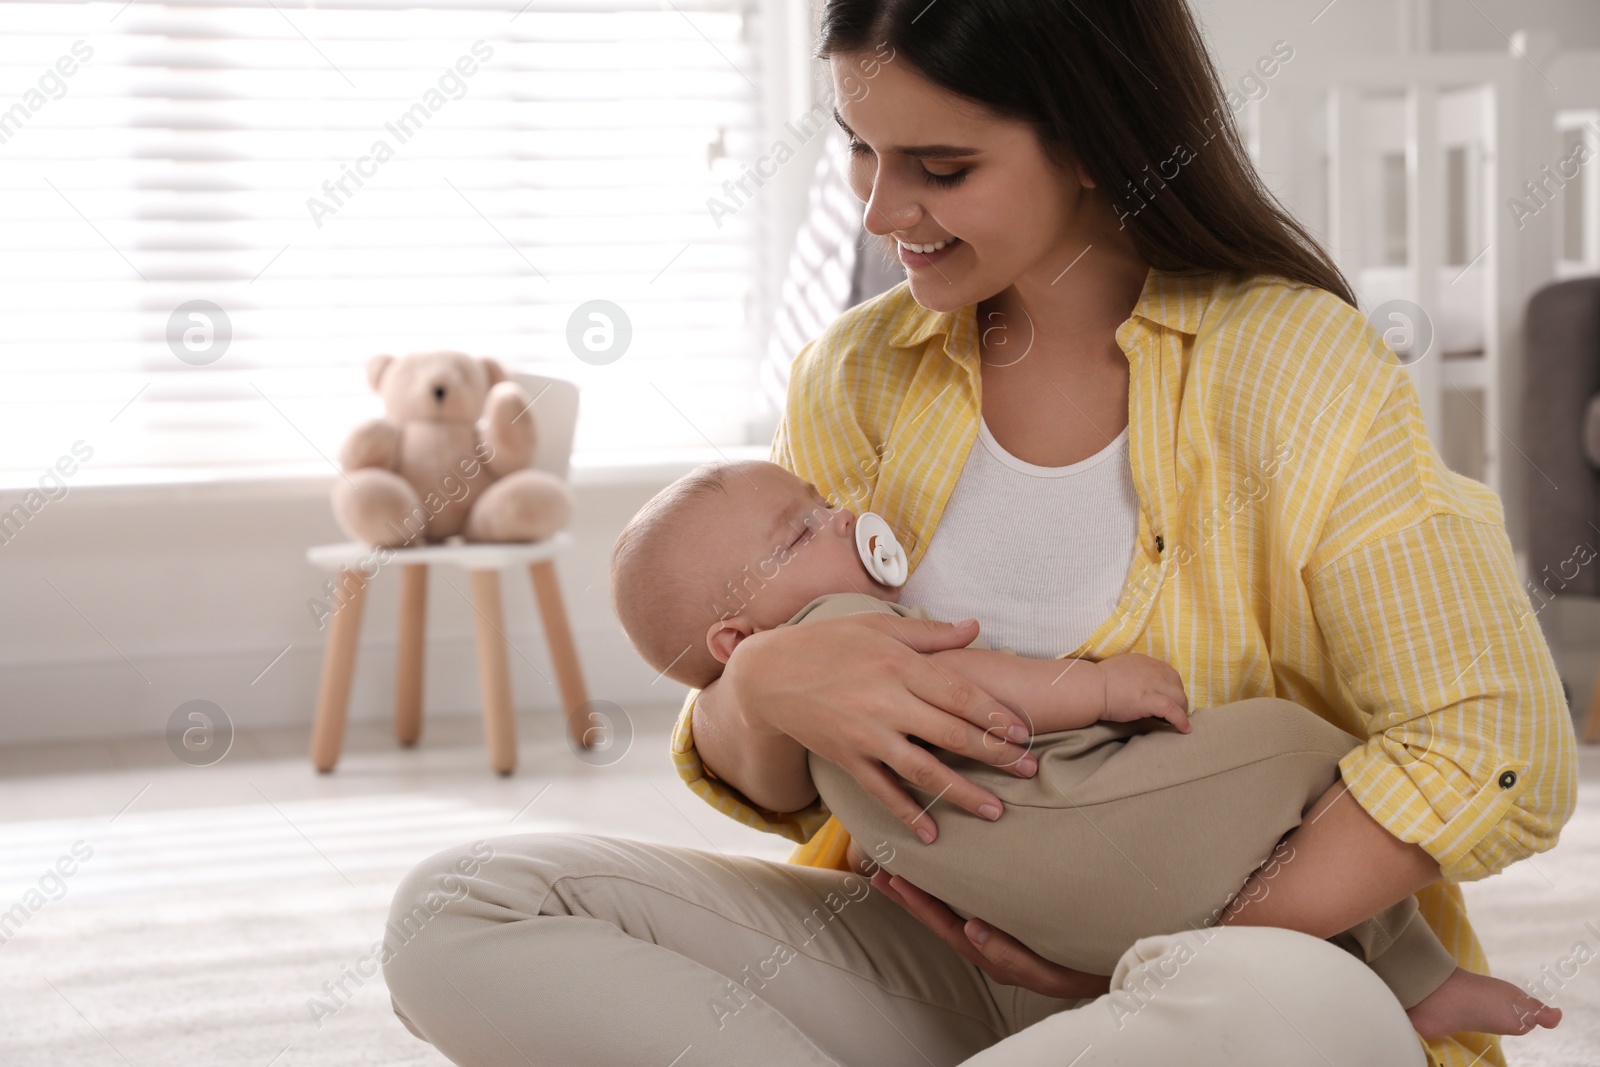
x=484 y=563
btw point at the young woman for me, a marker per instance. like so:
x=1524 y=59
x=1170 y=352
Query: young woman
x=1124 y=403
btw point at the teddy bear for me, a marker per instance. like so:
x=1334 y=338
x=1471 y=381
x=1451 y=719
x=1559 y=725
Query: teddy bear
x=451 y=456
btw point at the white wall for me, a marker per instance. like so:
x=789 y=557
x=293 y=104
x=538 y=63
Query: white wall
x=1478 y=25
x=201 y=587
x=1238 y=31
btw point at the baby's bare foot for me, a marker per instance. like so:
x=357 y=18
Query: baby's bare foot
x=1485 y=1005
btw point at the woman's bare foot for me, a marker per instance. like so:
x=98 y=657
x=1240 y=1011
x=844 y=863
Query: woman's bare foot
x=1485 y=1005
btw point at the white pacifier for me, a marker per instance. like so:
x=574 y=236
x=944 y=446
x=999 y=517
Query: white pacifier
x=885 y=559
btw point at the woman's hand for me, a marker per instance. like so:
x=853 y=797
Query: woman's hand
x=854 y=689
x=996 y=953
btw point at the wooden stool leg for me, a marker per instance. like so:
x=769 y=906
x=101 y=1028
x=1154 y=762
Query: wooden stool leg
x=1591 y=725
x=494 y=673
x=338 y=668
x=409 y=656
x=563 y=653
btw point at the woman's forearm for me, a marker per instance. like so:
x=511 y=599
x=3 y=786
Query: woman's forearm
x=1336 y=869
x=770 y=769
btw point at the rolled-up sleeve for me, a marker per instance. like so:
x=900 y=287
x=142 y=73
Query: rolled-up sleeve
x=799 y=826
x=1470 y=748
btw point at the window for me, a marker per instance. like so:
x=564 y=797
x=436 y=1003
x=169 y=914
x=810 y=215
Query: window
x=358 y=177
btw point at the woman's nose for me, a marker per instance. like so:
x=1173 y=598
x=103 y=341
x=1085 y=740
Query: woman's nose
x=889 y=208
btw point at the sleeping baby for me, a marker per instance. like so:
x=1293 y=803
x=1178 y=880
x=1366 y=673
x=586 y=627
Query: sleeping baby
x=1140 y=820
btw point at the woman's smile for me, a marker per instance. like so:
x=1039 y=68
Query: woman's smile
x=912 y=256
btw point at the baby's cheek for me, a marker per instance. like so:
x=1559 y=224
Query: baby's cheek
x=848 y=565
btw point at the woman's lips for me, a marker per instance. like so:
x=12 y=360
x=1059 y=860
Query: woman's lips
x=927 y=259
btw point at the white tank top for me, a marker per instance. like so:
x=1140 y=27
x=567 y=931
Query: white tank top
x=1038 y=555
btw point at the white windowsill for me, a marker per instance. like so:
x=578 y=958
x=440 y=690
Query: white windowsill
x=654 y=467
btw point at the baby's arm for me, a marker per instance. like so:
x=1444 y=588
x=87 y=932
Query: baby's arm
x=1064 y=694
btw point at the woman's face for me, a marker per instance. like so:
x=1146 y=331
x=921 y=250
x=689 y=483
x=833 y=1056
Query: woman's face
x=931 y=165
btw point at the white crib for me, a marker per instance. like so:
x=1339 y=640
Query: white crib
x=1406 y=168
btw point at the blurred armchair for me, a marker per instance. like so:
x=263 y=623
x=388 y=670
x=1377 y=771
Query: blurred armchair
x=1561 y=420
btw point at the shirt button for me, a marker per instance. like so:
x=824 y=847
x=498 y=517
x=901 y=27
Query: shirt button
x=1508 y=779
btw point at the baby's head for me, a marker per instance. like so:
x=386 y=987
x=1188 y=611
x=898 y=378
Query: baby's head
x=729 y=549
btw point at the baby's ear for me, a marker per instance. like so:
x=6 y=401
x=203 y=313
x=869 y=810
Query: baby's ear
x=724 y=636
x=375 y=369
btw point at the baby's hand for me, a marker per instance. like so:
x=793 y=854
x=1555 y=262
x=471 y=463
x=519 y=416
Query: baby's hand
x=1140 y=687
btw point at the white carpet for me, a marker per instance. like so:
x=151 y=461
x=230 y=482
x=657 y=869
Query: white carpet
x=205 y=936
x=221 y=905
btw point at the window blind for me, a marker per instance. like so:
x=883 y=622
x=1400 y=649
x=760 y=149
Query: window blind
x=358 y=177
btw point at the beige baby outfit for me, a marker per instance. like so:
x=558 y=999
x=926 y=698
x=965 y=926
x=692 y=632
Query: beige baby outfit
x=1127 y=830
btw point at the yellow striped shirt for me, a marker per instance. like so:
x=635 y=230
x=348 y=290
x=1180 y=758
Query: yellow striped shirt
x=1312 y=546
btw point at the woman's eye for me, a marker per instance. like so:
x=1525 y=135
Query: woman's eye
x=945 y=181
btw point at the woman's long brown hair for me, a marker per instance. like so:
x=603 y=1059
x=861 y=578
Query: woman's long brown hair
x=1127 y=88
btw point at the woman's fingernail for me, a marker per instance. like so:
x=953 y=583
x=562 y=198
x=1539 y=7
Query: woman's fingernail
x=964 y=622
x=980 y=934
x=1019 y=734
x=926 y=835
x=989 y=811
x=1027 y=765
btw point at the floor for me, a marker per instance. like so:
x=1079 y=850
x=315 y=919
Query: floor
x=225 y=914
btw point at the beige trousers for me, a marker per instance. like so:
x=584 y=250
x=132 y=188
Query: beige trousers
x=549 y=950
x=1145 y=829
